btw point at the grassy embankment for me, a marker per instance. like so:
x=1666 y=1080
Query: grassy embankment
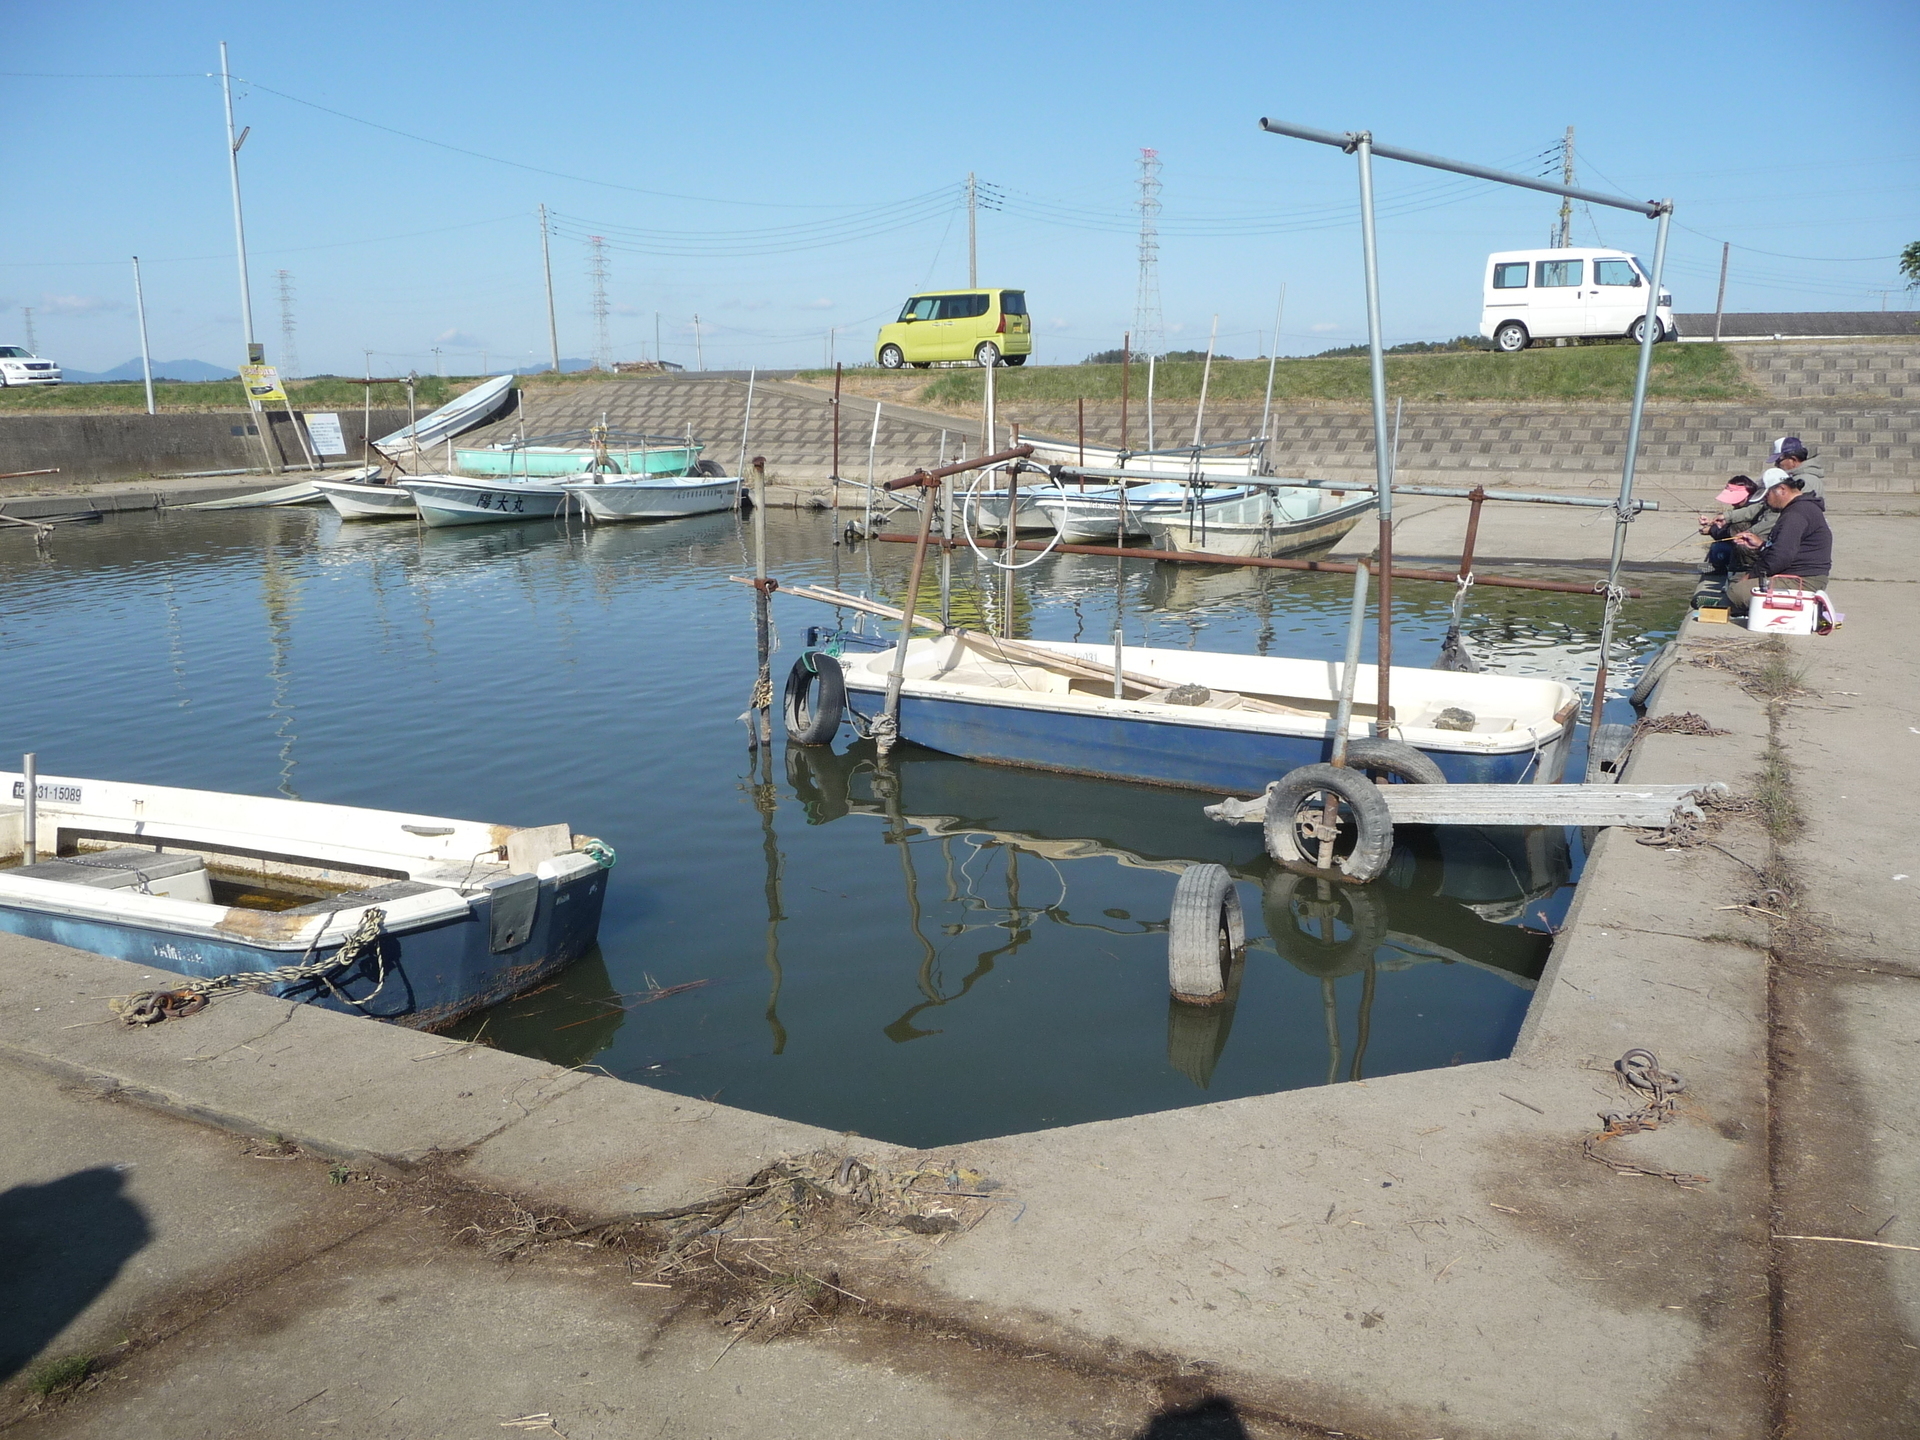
x=1584 y=373
x=430 y=391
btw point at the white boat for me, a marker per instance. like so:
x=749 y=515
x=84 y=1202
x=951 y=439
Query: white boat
x=1288 y=520
x=304 y=491
x=459 y=414
x=459 y=500
x=1101 y=515
x=659 y=497
x=984 y=512
x=412 y=918
x=1206 y=461
x=368 y=499
x=1220 y=722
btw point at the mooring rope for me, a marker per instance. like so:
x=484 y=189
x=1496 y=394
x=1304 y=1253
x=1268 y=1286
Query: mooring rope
x=151 y=1006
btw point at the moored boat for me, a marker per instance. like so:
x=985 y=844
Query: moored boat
x=460 y=414
x=457 y=500
x=1264 y=522
x=207 y=884
x=665 y=497
x=669 y=457
x=1230 y=724
x=1204 y=461
x=1103 y=514
x=304 y=491
x=367 y=499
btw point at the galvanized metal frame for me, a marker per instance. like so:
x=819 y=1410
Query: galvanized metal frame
x=1360 y=143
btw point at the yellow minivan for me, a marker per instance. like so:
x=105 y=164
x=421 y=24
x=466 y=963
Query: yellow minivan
x=988 y=327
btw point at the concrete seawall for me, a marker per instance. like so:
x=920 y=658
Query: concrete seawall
x=95 y=447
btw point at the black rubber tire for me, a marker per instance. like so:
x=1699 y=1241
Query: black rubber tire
x=1205 y=932
x=1366 y=818
x=986 y=354
x=1654 y=673
x=708 y=467
x=1391 y=757
x=1288 y=898
x=1013 y=359
x=814 y=719
x=891 y=357
x=1511 y=338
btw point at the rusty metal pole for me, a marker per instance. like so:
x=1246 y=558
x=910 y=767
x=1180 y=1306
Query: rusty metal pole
x=759 y=713
x=1476 y=498
x=1126 y=374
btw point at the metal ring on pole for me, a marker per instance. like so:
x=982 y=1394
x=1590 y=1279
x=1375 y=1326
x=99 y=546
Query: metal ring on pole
x=966 y=530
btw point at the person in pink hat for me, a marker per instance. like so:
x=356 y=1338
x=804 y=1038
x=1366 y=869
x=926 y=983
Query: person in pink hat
x=1723 y=555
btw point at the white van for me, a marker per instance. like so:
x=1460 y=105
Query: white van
x=1554 y=294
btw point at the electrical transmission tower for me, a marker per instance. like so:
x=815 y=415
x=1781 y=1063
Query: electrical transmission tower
x=1565 y=238
x=597 y=273
x=1147 y=324
x=289 y=352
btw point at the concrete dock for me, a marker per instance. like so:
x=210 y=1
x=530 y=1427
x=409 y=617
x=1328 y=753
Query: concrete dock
x=270 y=1220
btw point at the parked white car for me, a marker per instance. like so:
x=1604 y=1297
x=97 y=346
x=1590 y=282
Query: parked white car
x=1555 y=294
x=20 y=366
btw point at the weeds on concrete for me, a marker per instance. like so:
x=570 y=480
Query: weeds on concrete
x=1773 y=794
x=57 y=1377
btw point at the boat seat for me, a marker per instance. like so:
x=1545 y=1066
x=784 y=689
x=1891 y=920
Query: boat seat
x=373 y=895
x=129 y=867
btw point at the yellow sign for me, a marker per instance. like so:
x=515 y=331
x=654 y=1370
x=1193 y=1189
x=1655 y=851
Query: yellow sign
x=263 y=384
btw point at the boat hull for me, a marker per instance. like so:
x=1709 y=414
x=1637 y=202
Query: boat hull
x=368 y=502
x=1215 y=537
x=304 y=491
x=435 y=974
x=444 y=501
x=615 y=500
x=1048 y=725
x=546 y=463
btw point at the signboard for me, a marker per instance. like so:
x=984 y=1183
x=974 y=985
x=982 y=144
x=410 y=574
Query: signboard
x=324 y=427
x=263 y=384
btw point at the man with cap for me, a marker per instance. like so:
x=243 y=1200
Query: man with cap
x=1790 y=456
x=1798 y=542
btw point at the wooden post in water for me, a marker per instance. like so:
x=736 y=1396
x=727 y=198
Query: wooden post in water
x=759 y=713
x=889 y=727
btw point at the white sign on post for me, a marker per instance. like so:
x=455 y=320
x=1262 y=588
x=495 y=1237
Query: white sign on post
x=324 y=427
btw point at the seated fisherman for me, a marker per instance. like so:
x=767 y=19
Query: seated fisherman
x=1790 y=458
x=1723 y=555
x=1799 y=542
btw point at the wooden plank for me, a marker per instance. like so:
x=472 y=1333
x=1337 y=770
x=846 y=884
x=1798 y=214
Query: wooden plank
x=1609 y=804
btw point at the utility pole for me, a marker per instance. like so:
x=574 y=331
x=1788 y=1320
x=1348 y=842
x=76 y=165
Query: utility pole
x=658 y=358
x=1566 y=201
x=597 y=273
x=439 y=365
x=699 y=352
x=546 y=260
x=289 y=352
x=146 y=356
x=26 y=313
x=1147 y=326
x=1720 y=301
x=973 y=242
x=239 y=223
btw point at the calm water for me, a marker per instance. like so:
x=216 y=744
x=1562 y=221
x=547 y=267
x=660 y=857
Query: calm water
x=930 y=954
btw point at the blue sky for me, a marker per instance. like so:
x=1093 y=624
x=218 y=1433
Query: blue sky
x=780 y=170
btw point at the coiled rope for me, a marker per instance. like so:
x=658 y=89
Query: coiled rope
x=149 y=1007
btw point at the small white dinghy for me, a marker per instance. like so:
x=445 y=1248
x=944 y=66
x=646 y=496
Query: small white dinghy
x=368 y=499
x=460 y=414
x=1104 y=514
x=1284 y=521
x=656 y=497
x=1205 y=461
x=457 y=500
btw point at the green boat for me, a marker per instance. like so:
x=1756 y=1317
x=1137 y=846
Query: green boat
x=611 y=452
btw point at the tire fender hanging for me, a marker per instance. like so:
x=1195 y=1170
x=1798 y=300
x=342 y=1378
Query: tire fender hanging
x=813 y=712
x=1366 y=815
x=1206 y=931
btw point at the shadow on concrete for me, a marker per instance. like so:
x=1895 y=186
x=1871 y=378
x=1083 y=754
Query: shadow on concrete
x=1213 y=1418
x=65 y=1241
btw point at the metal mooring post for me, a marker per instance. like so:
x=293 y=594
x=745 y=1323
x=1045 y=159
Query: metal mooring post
x=1623 y=510
x=30 y=814
x=1382 y=451
x=759 y=713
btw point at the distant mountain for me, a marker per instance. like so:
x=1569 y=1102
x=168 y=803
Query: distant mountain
x=162 y=370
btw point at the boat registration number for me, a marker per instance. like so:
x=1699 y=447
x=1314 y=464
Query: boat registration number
x=501 y=502
x=58 y=794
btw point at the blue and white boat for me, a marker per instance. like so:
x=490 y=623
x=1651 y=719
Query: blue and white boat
x=456 y=500
x=206 y=884
x=1229 y=724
